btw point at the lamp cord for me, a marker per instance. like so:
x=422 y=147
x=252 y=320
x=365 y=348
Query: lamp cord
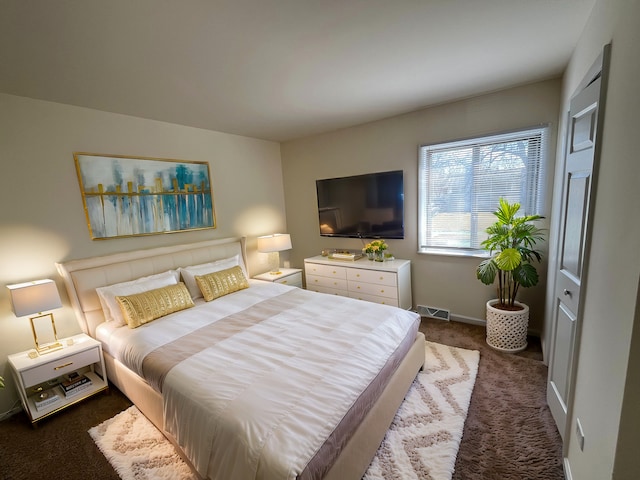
x=8 y=412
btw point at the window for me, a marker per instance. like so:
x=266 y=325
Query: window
x=461 y=182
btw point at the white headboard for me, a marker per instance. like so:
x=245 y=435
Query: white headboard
x=82 y=277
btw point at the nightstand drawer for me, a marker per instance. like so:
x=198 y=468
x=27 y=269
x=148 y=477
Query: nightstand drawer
x=56 y=368
x=294 y=280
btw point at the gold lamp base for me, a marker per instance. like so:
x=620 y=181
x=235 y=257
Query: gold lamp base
x=48 y=348
x=46 y=331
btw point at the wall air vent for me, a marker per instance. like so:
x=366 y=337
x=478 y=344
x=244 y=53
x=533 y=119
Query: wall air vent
x=433 y=312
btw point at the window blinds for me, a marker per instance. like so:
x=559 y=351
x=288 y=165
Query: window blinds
x=461 y=182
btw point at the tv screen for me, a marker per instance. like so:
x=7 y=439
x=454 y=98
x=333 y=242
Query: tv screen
x=362 y=206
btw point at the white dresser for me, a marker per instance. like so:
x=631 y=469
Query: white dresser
x=388 y=283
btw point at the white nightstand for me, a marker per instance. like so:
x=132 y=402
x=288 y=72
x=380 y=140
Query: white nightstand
x=289 y=276
x=45 y=373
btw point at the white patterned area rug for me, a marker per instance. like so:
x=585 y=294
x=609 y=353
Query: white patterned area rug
x=421 y=444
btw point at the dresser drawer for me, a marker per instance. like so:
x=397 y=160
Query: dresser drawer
x=325 y=270
x=53 y=369
x=388 y=291
x=373 y=276
x=330 y=291
x=327 y=282
x=374 y=299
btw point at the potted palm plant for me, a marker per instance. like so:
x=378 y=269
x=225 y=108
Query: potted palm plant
x=511 y=245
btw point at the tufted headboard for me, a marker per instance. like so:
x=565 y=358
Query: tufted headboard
x=82 y=277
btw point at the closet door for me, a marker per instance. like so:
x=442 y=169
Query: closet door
x=584 y=128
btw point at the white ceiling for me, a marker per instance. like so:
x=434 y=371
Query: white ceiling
x=279 y=69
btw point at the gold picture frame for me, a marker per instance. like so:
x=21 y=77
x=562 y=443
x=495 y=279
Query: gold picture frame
x=127 y=196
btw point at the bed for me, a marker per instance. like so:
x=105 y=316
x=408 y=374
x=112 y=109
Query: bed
x=282 y=383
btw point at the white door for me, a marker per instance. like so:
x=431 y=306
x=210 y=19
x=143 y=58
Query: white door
x=584 y=127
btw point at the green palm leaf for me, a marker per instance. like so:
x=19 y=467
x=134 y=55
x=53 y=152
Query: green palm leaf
x=487 y=271
x=511 y=240
x=508 y=259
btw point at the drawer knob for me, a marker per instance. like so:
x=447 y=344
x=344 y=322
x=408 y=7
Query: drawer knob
x=381 y=278
x=358 y=287
x=381 y=291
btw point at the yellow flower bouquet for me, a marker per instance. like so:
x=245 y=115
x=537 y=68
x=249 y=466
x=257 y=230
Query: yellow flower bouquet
x=375 y=250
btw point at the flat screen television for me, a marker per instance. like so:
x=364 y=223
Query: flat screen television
x=362 y=206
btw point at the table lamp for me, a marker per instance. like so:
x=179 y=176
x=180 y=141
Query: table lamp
x=273 y=244
x=37 y=297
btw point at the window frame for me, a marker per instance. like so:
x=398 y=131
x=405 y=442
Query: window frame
x=535 y=181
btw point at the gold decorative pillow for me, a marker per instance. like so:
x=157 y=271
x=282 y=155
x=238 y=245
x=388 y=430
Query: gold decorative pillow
x=216 y=284
x=141 y=308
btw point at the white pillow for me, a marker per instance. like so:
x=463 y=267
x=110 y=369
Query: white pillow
x=108 y=294
x=189 y=273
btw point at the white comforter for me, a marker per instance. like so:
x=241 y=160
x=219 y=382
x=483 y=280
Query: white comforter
x=259 y=404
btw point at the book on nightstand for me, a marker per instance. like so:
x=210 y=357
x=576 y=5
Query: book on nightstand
x=77 y=390
x=75 y=385
x=44 y=399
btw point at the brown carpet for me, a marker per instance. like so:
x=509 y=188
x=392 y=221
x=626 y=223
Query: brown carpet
x=509 y=433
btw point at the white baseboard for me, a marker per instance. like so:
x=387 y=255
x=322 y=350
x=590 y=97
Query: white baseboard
x=483 y=323
x=464 y=319
x=567 y=469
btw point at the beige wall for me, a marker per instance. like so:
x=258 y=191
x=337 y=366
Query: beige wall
x=441 y=281
x=42 y=220
x=614 y=262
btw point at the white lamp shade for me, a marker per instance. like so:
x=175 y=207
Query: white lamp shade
x=274 y=243
x=34 y=297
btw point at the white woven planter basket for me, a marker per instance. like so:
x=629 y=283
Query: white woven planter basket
x=507 y=330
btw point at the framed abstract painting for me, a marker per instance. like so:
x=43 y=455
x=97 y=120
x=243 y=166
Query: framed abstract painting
x=126 y=196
